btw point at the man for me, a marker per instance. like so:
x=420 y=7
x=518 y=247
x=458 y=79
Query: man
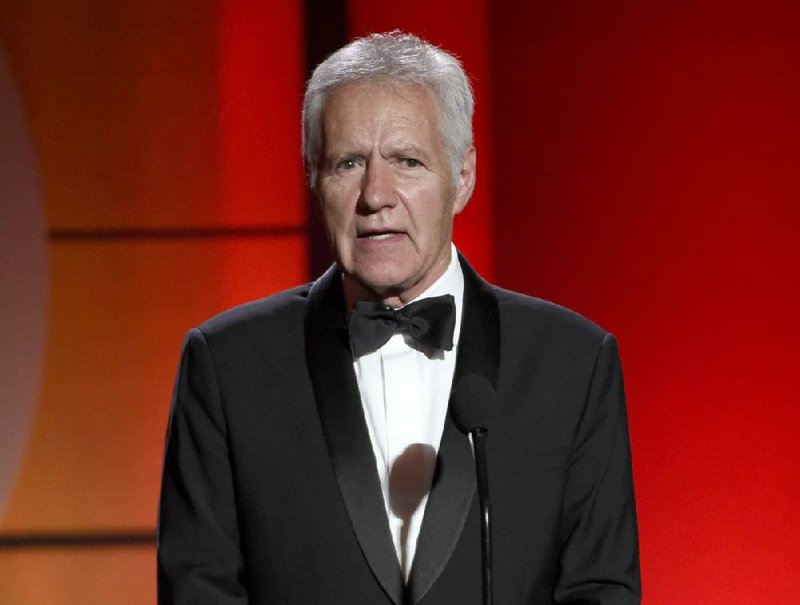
x=311 y=458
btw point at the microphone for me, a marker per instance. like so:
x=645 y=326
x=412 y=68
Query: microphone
x=471 y=408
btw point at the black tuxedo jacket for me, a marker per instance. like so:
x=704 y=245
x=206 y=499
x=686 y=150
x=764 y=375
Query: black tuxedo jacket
x=270 y=491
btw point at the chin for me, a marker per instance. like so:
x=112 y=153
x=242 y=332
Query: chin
x=384 y=282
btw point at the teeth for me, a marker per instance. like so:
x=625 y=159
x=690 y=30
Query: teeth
x=379 y=235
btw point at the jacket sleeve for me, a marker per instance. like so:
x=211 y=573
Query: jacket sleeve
x=199 y=557
x=599 y=560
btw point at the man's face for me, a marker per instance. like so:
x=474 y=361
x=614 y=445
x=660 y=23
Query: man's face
x=386 y=191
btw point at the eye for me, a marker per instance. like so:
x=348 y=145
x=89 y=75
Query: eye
x=347 y=164
x=410 y=162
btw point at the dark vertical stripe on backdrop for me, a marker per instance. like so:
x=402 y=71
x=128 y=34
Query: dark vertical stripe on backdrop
x=326 y=30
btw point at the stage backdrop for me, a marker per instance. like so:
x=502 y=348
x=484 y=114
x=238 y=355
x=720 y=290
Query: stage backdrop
x=637 y=162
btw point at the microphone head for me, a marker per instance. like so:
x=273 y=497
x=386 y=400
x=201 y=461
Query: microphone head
x=472 y=403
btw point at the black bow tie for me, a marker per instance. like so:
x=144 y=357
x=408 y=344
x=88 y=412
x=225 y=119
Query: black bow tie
x=429 y=321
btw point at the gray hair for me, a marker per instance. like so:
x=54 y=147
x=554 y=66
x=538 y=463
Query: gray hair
x=393 y=57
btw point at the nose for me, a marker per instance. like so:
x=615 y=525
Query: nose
x=377 y=186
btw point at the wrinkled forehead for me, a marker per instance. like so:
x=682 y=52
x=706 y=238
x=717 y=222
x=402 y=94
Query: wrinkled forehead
x=403 y=90
x=361 y=100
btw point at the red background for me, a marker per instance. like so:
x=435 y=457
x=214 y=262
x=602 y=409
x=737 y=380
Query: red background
x=649 y=159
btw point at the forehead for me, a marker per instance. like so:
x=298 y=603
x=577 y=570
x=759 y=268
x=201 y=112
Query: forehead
x=364 y=106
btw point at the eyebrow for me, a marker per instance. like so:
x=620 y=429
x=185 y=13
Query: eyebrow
x=408 y=150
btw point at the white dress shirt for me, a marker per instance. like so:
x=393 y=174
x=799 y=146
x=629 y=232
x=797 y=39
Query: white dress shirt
x=404 y=390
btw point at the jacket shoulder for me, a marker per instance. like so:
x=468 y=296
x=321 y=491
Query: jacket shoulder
x=547 y=319
x=278 y=314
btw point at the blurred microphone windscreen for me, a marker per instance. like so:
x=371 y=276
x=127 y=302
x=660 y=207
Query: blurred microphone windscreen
x=472 y=403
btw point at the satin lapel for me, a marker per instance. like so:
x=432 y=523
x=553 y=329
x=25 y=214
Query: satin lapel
x=454 y=482
x=339 y=403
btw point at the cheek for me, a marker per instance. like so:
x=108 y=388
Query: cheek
x=335 y=225
x=428 y=203
x=335 y=213
x=440 y=212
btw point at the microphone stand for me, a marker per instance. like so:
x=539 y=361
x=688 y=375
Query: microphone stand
x=478 y=441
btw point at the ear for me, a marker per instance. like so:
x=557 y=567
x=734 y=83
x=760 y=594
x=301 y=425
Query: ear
x=466 y=180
